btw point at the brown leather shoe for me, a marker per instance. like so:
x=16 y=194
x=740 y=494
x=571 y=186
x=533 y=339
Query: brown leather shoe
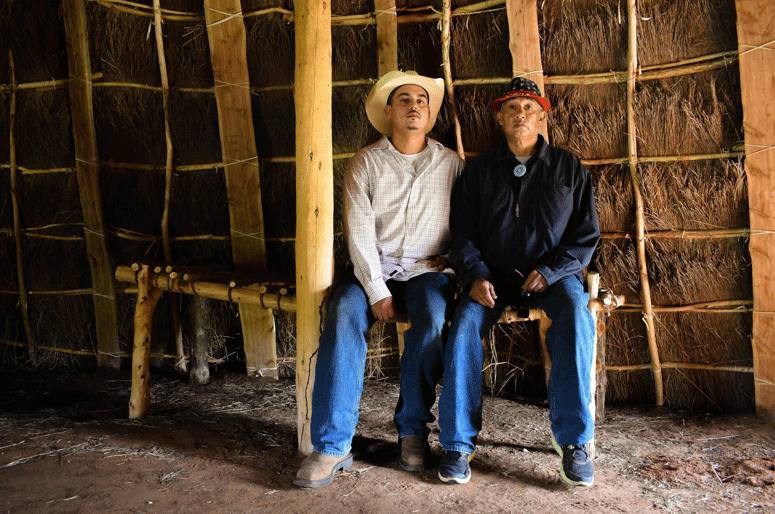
x=414 y=453
x=318 y=469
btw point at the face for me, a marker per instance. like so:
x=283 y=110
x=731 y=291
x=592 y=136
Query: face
x=520 y=117
x=409 y=109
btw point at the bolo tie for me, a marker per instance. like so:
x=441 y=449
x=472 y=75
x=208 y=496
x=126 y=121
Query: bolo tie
x=520 y=170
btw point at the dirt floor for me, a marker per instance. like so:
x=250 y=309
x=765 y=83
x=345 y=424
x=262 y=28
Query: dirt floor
x=230 y=446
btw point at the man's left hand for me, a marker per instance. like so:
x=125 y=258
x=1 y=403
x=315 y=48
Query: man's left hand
x=438 y=263
x=535 y=283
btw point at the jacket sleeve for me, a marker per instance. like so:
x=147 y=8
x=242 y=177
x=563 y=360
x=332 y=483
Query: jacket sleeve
x=360 y=230
x=465 y=255
x=580 y=238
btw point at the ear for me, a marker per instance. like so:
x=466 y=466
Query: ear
x=499 y=117
x=387 y=111
x=542 y=118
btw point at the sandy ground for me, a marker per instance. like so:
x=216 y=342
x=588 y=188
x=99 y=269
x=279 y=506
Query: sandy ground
x=230 y=446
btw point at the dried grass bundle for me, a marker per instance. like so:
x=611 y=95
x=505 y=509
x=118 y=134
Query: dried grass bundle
x=687 y=115
x=120 y=48
x=613 y=198
x=8 y=278
x=589 y=120
x=480 y=46
x=270 y=50
x=274 y=123
x=62 y=322
x=583 y=36
x=419 y=48
x=194 y=128
x=702 y=390
x=199 y=204
x=671 y=31
x=355 y=55
x=699 y=195
x=477 y=121
x=351 y=129
x=278 y=197
x=43 y=129
x=693 y=271
x=130 y=125
x=616 y=260
x=626 y=345
x=133 y=200
x=51 y=199
x=188 y=54
x=5 y=129
x=36 y=36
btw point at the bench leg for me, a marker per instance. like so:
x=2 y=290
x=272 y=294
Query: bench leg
x=400 y=329
x=147 y=298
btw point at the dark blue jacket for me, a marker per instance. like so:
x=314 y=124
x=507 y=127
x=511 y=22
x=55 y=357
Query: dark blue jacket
x=543 y=221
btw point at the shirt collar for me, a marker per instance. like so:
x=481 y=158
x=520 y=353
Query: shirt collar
x=385 y=144
x=542 y=151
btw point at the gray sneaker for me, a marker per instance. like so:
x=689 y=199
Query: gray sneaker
x=415 y=452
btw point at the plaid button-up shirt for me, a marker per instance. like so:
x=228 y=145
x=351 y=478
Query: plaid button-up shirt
x=396 y=217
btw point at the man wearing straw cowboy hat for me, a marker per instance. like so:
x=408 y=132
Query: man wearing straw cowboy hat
x=524 y=225
x=397 y=196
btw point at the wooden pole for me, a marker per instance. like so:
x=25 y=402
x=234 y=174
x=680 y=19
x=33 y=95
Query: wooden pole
x=147 y=297
x=446 y=28
x=387 y=36
x=88 y=171
x=228 y=53
x=598 y=378
x=756 y=46
x=632 y=147
x=525 y=45
x=17 y=225
x=168 y=174
x=314 y=195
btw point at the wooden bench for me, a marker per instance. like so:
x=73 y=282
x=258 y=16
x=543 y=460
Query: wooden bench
x=153 y=279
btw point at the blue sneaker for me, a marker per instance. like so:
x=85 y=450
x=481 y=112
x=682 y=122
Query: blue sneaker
x=454 y=467
x=576 y=464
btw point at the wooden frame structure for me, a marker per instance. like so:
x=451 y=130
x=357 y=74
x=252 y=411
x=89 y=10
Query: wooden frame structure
x=224 y=21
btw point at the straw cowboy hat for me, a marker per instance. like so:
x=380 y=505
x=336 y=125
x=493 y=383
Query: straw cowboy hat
x=520 y=86
x=377 y=99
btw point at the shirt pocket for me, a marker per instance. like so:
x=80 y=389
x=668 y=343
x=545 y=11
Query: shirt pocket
x=556 y=207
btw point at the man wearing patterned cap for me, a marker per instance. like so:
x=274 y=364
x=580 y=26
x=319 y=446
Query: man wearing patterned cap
x=396 y=198
x=524 y=224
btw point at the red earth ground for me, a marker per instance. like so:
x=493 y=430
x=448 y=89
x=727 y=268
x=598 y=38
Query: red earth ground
x=66 y=446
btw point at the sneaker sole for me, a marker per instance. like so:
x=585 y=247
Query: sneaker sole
x=340 y=466
x=456 y=480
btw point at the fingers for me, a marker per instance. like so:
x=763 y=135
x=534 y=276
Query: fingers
x=535 y=282
x=383 y=310
x=438 y=263
x=483 y=293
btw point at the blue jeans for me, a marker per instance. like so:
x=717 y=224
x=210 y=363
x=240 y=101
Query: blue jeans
x=342 y=358
x=569 y=340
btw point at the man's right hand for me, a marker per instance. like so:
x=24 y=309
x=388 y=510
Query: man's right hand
x=383 y=310
x=483 y=292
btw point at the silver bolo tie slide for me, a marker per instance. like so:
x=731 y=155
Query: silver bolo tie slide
x=520 y=170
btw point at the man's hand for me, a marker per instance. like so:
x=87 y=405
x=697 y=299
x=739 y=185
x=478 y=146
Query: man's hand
x=483 y=292
x=383 y=310
x=438 y=263
x=535 y=283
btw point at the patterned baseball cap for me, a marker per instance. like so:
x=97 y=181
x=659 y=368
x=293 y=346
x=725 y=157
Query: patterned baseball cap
x=520 y=86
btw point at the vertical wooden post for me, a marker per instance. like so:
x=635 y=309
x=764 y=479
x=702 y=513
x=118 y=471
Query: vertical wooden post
x=168 y=171
x=228 y=53
x=446 y=28
x=632 y=148
x=598 y=379
x=525 y=44
x=387 y=36
x=314 y=195
x=88 y=172
x=147 y=298
x=756 y=44
x=17 y=225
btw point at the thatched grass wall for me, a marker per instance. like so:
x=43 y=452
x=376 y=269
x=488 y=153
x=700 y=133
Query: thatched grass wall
x=695 y=206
